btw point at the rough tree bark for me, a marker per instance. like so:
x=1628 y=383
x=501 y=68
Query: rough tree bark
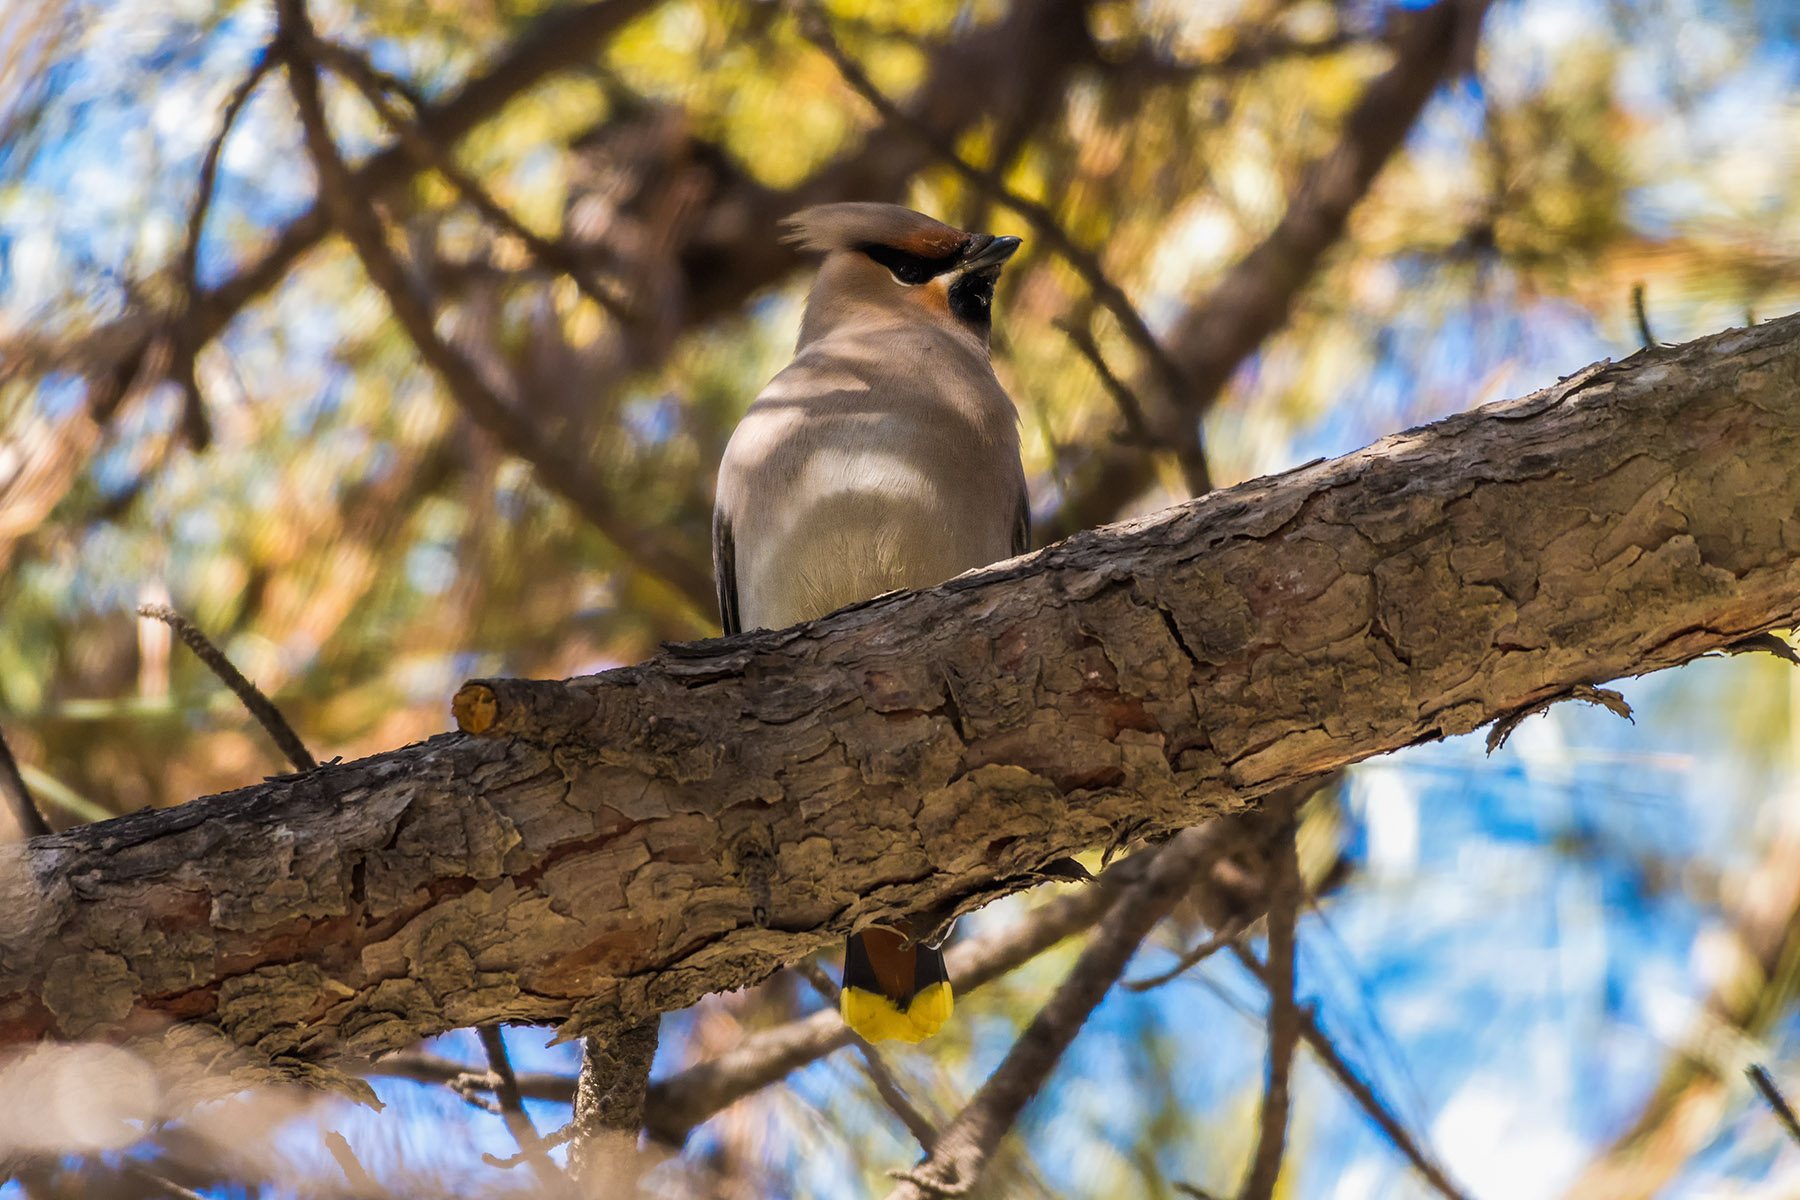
x=592 y=852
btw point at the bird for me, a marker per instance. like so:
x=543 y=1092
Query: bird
x=884 y=456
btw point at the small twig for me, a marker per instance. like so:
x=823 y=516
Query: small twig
x=566 y=1134
x=375 y=85
x=816 y=28
x=964 y=1148
x=265 y=712
x=184 y=345
x=1643 y=318
x=163 y=1183
x=1137 y=427
x=354 y=1172
x=1765 y=1083
x=1230 y=932
x=429 y=1068
x=512 y=1108
x=1196 y=1191
x=470 y=1084
x=1362 y=1091
x=1285 y=890
x=18 y=797
x=922 y=1127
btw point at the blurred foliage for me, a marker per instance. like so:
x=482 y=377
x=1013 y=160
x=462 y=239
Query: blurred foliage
x=359 y=547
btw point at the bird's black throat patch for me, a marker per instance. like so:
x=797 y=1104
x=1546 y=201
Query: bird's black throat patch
x=972 y=299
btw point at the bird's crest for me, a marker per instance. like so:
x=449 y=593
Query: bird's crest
x=828 y=227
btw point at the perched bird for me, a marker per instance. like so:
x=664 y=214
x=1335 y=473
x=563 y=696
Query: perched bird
x=885 y=456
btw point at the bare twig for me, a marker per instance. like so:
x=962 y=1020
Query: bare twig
x=547 y=1143
x=162 y=1183
x=1137 y=427
x=1223 y=937
x=1784 y=1112
x=355 y=1174
x=375 y=86
x=963 y=1149
x=923 y=1129
x=260 y=706
x=185 y=345
x=1145 y=64
x=500 y=415
x=815 y=27
x=18 y=797
x=532 y=1149
x=1195 y=1191
x=1360 y=1090
x=1643 y=318
x=1285 y=890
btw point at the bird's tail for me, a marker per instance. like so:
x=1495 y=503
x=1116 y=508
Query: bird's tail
x=893 y=989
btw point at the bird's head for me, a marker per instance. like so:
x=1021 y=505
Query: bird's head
x=891 y=262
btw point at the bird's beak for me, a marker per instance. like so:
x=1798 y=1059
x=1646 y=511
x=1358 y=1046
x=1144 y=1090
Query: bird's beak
x=987 y=253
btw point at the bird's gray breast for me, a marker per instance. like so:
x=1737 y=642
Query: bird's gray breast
x=837 y=492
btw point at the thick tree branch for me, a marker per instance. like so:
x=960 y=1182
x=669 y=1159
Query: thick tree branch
x=595 y=851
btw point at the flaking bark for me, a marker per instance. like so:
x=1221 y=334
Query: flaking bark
x=614 y=846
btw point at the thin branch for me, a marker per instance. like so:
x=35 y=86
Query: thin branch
x=815 y=27
x=923 y=1129
x=532 y=1149
x=429 y=153
x=500 y=415
x=1230 y=932
x=1363 y=1092
x=1285 y=890
x=355 y=1174
x=549 y=1142
x=1146 y=65
x=185 y=345
x=168 y=1187
x=18 y=797
x=1784 y=1112
x=1643 y=318
x=964 y=1148
x=429 y=1068
x=260 y=706
x=1137 y=427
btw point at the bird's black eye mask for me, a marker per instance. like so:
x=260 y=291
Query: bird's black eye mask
x=910 y=268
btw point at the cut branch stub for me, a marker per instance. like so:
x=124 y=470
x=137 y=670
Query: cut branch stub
x=587 y=861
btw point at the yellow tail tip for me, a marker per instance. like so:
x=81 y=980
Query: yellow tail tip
x=879 y=1019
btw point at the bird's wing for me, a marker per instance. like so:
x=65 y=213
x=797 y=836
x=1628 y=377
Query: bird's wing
x=725 y=573
x=1021 y=533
